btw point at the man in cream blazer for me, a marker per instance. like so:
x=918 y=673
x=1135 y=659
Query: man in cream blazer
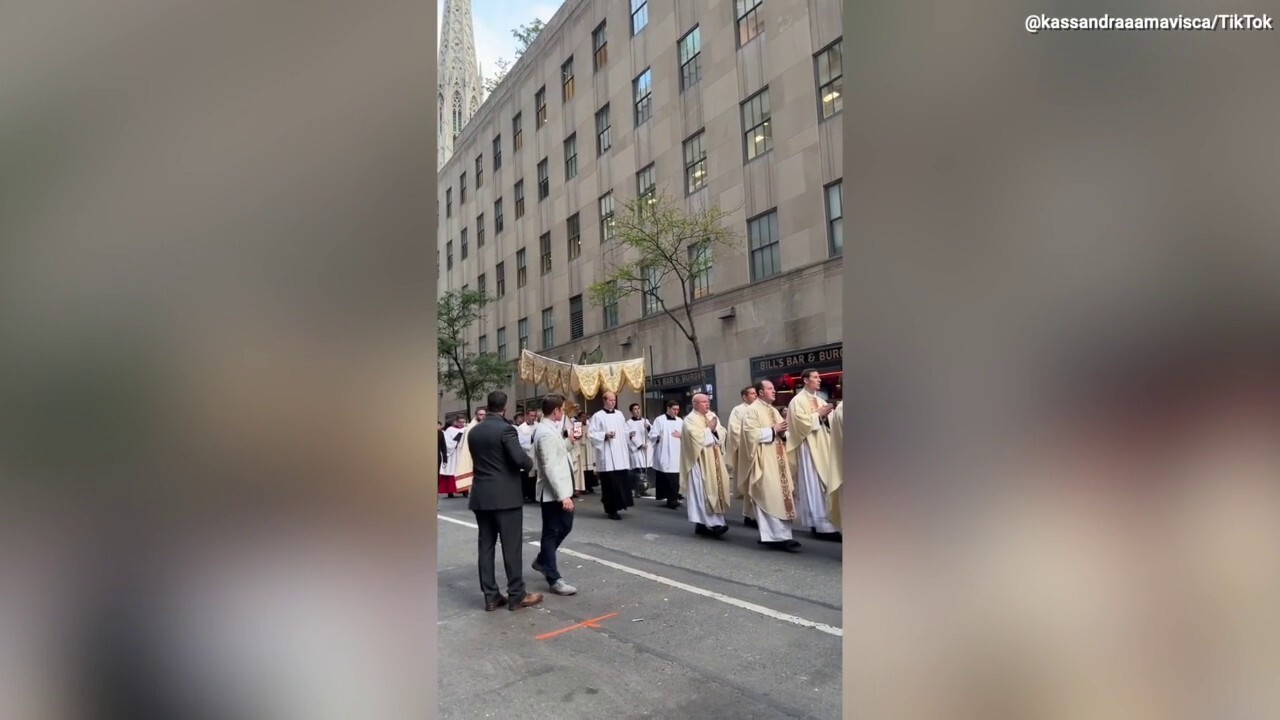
x=554 y=491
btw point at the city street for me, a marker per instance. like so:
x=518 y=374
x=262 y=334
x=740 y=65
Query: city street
x=680 y=626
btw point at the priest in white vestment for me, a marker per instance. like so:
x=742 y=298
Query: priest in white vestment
x=837 y=447
x=448 y=481
x=703 y=475
x=731 y=445
x=608 y=434
x=638 y=446
x=811 y=458
x=764 y=470
x=664 y=435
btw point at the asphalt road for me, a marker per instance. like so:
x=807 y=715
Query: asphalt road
x=688 y=627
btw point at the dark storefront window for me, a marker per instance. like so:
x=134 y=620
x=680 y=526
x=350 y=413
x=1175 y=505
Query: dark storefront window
x=784 y=369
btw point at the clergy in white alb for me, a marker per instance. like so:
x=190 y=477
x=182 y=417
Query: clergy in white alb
x=638 y=446
x=765 y=471
x=731 y=445
x=704 y=479
x=837 y=448
x=664 y=435
x=608 y=434
x=811 y=458
x=448 y=477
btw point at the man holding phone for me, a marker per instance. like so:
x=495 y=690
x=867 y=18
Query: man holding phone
x=553 y=458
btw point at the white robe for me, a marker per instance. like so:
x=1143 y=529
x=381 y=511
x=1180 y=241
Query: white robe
x=811 y=497
x=697 y=505
x=611 y=455
x=666 y=447
x=451 y=435
x=638 y=446
x=772 y=529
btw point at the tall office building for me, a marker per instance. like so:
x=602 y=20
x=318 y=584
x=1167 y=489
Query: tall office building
x=460 y=87
x=732 y=103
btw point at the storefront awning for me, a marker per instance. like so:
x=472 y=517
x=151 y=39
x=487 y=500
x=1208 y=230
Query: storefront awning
x=588 y=380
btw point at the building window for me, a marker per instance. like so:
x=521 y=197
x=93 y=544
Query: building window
x=575 y=317
x=522 y=333
x=497 y=152
x=548 y=329
x=835 y=217
x=611 y=311
x=500 y=280
x=481 y=285
x=517 y=133
x=544 y=180
x=750 y=20
x=700 y=270
x=479 y=171
x=522 y=271
x=604 y=138
x=639 y=15
x=480 y=230
x=462 y=189
x=464 y=243
x=540 y=107
x=600 y=46
x=448 y=202
x=645 y=184
x=575 y=237
x=497 y=216
x=502 y=343
x=448 y=255
x=544 y=252
x=641 y=93
x=650 y=304
x=571 y=157
x=457 y=115
x=606 y=217
x=566 y=80
x=830 y=79
x=690 y=59
x=484 y=345
x=762 y=234
x=519 y=199
x=758 y=133
x=695 y=163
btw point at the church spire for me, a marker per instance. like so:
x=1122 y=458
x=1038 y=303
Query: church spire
x=460 y=90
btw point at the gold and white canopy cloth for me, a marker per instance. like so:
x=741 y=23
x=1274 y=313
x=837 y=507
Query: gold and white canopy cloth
x=587 y=380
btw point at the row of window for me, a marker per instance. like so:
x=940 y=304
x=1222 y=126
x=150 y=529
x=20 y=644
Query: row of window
x=756 y=111
x=765 y=258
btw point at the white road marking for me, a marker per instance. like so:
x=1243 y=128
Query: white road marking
x=728 y=600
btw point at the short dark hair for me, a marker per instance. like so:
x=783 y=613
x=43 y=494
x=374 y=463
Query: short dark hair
x=759 y=386
x=497 y=402
x=748 y=389
x=673 y=404
x=551 y=403
x=804 y=374
x=633 y=406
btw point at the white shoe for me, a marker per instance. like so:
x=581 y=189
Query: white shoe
x=563 y=588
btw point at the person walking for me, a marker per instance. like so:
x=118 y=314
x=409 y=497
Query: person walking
x=497 y=500
x=552 y=455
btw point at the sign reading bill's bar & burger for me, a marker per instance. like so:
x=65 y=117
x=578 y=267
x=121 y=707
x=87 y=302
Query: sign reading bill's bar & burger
x=827 y=357
x=682 y=379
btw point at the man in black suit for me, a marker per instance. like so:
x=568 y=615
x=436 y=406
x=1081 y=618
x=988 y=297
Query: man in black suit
x=497 y=498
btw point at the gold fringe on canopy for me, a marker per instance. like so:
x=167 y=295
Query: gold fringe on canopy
x=589 y=380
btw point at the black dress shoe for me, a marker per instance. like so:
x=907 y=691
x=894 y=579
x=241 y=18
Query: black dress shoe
x=829 y=537
x=614 y=516
x=672 y=505
x=494 y=605
x=790 y=546
x=750 y=523
x=700 y=529
x=719 y=530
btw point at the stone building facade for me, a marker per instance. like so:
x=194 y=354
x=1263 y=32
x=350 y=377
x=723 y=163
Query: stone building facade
x=737 y=103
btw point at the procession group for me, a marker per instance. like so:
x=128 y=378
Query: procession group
x=783 y=465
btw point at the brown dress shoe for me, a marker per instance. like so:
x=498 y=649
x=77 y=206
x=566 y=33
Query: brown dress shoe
x=491 y=606
x=530 y=599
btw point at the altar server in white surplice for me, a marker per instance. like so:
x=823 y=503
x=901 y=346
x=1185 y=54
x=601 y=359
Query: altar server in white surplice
x=639 y=448
x=608 y=434
x=664 y=434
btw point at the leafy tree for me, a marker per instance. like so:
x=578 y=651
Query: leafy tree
x=491 y=83
x=526 y=34
x=657 y=243
x=469 y=375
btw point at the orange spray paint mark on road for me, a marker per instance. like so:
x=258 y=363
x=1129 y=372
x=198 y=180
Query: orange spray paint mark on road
x=592 y=623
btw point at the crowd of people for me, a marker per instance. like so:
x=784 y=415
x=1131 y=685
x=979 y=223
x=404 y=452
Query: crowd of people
x=782 y=465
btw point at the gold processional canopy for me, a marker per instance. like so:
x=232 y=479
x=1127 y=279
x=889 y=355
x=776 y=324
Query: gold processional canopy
x=587 y=380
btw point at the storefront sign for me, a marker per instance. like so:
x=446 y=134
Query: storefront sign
x=827 y=357
x=679 y=380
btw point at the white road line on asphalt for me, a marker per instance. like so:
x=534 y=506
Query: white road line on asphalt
x=760 y=609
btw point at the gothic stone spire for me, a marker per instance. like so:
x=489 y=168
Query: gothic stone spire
x=461 y=90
